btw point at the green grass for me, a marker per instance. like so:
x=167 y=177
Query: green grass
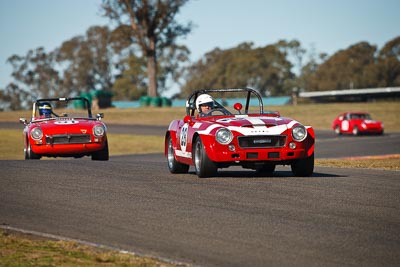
x=21 y=250
x=390 y=162
x=12 y=146
x=320 y=116
x=125 y=144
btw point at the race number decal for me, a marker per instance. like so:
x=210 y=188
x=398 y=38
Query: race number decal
x=345 y=125
x=183 y=137
x=66 y=122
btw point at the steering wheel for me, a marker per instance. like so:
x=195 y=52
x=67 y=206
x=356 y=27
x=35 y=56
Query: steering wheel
x=55 y=114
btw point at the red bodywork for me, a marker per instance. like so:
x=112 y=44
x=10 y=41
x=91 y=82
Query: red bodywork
x=266 y=127
x=356 y=123
x=258 y=139
x=65 y=136
x=79 y=136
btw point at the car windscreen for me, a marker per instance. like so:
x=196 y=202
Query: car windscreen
x=227 y=100
x=49 y=109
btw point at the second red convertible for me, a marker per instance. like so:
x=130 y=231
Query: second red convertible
x=215 y=134
x=64 y=127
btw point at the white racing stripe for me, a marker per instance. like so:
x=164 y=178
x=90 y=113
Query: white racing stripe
x=260 y=129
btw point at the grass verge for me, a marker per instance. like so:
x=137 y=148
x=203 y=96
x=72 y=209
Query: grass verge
x=12 y=146
x=387 y=162
x=320 y=116
x=21 y=250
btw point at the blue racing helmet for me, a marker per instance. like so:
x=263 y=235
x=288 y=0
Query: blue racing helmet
x=45 y=109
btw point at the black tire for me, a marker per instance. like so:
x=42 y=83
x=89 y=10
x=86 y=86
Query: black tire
x=203 y=165
x=303 y=167
x=355 y=131
x=101 y=154
x=29 y=154
x=173 y=165
x=266 y=170
x=337 y=130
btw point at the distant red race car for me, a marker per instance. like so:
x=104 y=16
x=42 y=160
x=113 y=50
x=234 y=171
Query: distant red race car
x=64 y=127
x=215 y=134
x=356 y=123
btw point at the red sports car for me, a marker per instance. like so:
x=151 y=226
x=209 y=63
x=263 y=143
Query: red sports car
x=217 y=132
x=64 y=127
x=356 y=123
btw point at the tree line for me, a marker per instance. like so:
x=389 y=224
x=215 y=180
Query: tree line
x=141 y=56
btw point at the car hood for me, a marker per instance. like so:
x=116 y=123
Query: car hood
x=250 y=125
x=371 y=121
x=67 y=125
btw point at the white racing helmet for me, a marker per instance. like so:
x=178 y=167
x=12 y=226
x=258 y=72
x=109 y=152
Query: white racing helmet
x=203 y=99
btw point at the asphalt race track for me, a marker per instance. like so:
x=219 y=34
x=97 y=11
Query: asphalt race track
x=337 y=217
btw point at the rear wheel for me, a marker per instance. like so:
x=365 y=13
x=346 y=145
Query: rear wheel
x=303 y=167
x=203 y=165
x=355 y=130
x=173 y=165
x=101 y=154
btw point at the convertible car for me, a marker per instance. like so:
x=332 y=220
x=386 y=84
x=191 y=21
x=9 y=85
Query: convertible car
x=64 y=127
x=227 y=127
x=356 y=123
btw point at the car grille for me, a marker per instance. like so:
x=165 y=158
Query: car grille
x=68 y=139
x=266 y=141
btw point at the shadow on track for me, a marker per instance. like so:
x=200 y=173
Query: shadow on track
x=276 y=174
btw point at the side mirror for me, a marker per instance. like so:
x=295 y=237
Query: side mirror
x=99 y=116
x=23 y=120
x=238 y=107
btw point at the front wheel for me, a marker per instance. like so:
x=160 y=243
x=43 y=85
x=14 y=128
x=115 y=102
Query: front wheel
x=173 y=165
x=29 y=154
x=337 y=130
x=303 y=167
x=101 y=154
x=203 y=165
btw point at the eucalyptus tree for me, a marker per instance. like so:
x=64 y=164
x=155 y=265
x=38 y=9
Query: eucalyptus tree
x=346 y=69
x=34 y=74
x=87 y=61
x=131 y=80
x=388 y=64
x=16 y=97
x=264 y=68
x=154 y=28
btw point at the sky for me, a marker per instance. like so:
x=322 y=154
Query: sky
x=323 y=26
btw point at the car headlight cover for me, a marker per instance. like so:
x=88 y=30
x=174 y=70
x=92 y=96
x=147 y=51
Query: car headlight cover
x=223 y=136
x=36 y=133
x=299 y=133
x=98 y=130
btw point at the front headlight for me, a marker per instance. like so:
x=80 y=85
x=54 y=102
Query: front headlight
x=299 y=133
x=36 y=133
x=223 y=136
x=98 y=130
